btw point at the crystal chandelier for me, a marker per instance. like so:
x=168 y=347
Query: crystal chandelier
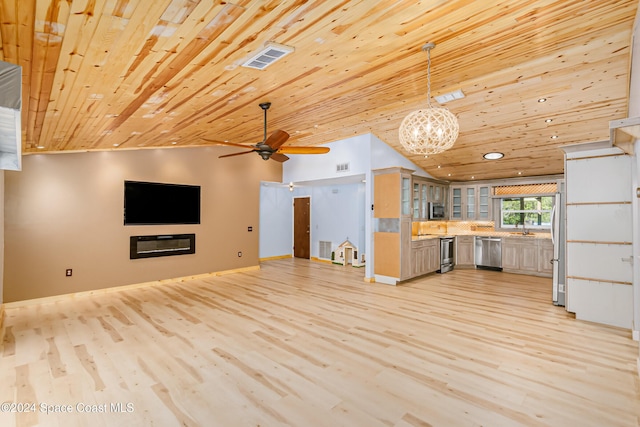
x=430 y=130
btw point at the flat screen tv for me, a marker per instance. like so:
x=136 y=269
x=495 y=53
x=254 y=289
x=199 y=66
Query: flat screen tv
x=153 y=203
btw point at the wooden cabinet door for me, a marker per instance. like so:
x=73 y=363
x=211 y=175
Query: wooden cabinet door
x=465 y=251
x=456 y=203
x=470 y=202
x=510 y=255
x=386 y=195
x=416 y=201
x=528 y=256
x=433 y=256
x=418 y=260
x=484 y=203
x=387 y=259
x=424 y=202
x=545 y=255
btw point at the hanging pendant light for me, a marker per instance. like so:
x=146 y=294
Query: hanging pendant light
x=430 y=130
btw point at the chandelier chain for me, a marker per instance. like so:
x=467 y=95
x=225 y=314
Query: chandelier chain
x=428 y=49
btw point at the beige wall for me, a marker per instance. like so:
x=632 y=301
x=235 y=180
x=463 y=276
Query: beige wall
x=66 y=211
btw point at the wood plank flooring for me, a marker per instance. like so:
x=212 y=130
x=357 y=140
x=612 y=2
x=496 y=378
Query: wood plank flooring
x=304 y=343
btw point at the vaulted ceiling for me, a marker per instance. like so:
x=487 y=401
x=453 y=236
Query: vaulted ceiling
x=127 y=74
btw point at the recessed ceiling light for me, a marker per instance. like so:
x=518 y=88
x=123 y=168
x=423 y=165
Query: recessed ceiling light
x=473 y=177
x=519 y=173
x=438 y=166
x=548 y=120
x=448 y=174
x=40 y=147
x=542 y=100
x=115 y=145
x=554 y=137
x=494 y=155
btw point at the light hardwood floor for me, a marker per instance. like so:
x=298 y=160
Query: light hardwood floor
x=304 y=343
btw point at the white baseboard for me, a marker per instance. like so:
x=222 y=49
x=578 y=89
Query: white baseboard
x=386 y=280
x=635 y=335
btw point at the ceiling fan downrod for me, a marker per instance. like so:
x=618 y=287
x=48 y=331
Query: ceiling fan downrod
x=265 y=106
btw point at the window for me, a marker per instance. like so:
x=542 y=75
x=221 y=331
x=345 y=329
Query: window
x=532 y=211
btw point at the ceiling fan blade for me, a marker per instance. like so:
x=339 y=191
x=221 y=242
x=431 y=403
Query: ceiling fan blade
x=232 y=144
x=279 y=157
x=304 y=150
x=276 y=139
x=236 y=154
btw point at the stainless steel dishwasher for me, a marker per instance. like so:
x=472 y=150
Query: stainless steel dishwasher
x=489 y=252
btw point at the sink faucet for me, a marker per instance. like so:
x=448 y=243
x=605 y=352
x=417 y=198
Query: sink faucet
x=524 y=229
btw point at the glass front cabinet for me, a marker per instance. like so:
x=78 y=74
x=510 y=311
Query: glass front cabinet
x=471 y=202
x=425 y=191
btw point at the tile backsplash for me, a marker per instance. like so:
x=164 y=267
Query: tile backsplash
x=419 y=228
x=451 y=227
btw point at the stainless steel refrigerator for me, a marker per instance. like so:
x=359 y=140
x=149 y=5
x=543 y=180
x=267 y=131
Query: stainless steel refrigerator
x=558 y=237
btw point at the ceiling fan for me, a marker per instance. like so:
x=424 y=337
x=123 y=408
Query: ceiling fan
x=271 y=147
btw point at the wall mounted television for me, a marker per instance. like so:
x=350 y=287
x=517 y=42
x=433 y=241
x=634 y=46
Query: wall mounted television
x=155 y=203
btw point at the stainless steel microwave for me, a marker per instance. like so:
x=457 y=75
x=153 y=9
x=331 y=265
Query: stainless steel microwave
x=436 y=211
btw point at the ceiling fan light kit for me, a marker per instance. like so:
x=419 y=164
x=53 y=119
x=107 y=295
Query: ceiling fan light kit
x=430 y=130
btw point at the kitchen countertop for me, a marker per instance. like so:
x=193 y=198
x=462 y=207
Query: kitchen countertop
x=532 y=235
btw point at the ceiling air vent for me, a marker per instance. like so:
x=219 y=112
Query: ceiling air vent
x=267 y=56
x=451 y=96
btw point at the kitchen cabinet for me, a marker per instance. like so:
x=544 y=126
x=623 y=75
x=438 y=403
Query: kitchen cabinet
x=465 y=252
x=438 y=193
x=484 y=203
x=425 y=256
x=456 y=203
x=425 y=191
x=471 y=202
x=405 y=195
x=545 y=255
x=392 y=229
x=527 y=255
x=420 y=199
x=391 y=193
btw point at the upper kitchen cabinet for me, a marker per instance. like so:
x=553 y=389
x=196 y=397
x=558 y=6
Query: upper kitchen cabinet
x=392 y=193
x=426 y=191
x=471 y=202
x=438 y=193
x=420 y=203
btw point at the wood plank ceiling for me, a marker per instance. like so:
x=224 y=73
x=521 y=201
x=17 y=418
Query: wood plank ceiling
x=127 y=74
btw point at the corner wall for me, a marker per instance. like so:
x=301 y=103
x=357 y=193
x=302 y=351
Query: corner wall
x=66 y=211
x=634 y=111
x=1 y=254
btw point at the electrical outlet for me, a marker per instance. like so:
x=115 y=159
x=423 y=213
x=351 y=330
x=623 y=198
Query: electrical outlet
x=239 y=254
x=68 y=272
x=249 y=228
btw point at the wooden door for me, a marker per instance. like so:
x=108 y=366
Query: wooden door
x=302 y=227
